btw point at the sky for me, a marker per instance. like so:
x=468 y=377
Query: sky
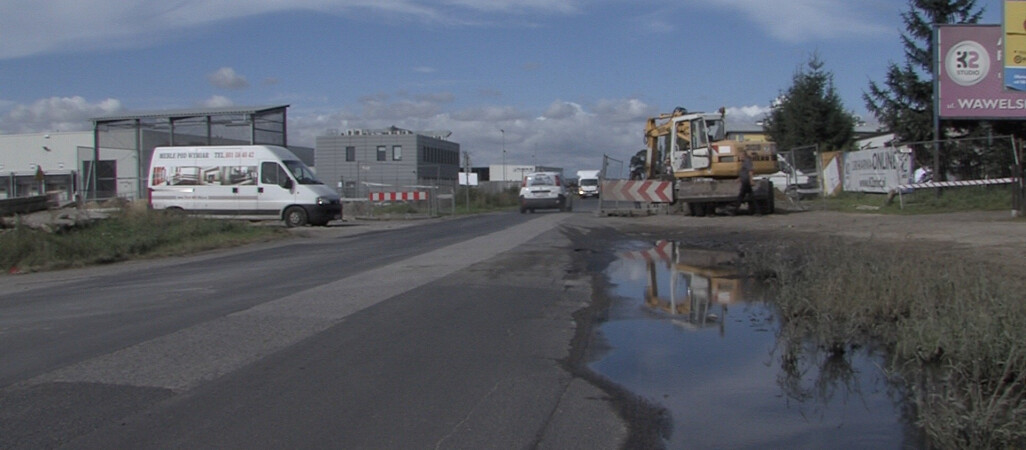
x=536 y=82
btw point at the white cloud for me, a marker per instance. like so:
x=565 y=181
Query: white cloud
x=751 y=113
x=31 y=28
x=572 y=136
x=226 y=78
x=562 y=110
x=519 y=6
x=218 y=101
x=798 y=21
x=56 y=114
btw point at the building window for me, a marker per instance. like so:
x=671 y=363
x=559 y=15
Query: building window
x=397 y=153
x=350 y=154
x=381 y=153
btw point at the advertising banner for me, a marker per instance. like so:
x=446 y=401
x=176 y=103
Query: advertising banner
x=1015 y=45
x=877 y=170
x=970 y=83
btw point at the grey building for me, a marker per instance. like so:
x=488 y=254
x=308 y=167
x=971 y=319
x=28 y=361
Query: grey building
x=357 y=162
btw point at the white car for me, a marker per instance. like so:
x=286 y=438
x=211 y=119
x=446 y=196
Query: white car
x=543 y=190
x=793 y=182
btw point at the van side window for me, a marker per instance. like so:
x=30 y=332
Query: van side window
x=272 y=173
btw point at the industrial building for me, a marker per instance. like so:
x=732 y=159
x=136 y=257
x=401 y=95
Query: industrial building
x=61 y=164
x=393 y=159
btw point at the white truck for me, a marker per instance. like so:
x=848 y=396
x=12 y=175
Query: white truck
x=253 y=182
x=587 y=183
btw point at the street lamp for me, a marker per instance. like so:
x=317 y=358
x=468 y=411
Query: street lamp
x=505 y=181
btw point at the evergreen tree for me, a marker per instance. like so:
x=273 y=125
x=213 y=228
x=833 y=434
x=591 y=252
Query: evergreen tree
x=811 y=112
x=905 y=103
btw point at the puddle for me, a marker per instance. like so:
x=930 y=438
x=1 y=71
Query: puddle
x=685 y=333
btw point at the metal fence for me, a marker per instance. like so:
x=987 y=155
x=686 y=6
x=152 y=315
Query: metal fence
x=800 y=175
x=985 y=162
x=383 y=201
x=937 y=165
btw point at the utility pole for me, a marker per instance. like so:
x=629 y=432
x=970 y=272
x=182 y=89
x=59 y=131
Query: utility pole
x=504 y=180
x=466 y=170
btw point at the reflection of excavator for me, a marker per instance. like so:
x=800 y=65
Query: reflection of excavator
x=698 y=282
x=691 y=150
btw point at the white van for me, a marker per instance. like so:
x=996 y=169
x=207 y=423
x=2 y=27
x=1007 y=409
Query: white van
x=587 y=183
x=245 y=182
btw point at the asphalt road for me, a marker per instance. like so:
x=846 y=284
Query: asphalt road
x=447 y=334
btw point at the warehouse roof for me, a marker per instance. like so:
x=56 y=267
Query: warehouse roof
x=181 y=113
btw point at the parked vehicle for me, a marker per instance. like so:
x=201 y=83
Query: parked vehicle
x=794 y=182
x=254 y=182
x=691 y=151
x=543 y=190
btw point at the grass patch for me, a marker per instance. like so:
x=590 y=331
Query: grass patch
x=955 y=333
x=129 y=234
x=483 y=202
x=923 y=201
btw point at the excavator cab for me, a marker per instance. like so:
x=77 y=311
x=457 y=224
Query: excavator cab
x=691 y=142
x=693 y=145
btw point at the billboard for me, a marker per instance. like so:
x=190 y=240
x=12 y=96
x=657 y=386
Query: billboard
x=970 y=83
x=1015 y=45
x=878 y=170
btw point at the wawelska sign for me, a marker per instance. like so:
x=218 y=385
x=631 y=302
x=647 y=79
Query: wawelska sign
x=971 y=83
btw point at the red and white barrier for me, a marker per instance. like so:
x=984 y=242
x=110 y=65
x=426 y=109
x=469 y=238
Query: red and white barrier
x=937 y=184
x=662 y=251
x=648 y=191
x=397 y=196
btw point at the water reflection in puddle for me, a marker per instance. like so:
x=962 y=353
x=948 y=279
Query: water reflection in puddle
x=684 y=332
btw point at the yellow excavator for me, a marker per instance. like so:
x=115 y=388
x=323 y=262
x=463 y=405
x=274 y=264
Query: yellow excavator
x=692 y=150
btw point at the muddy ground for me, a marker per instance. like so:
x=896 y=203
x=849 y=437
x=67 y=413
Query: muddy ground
x=993 y=236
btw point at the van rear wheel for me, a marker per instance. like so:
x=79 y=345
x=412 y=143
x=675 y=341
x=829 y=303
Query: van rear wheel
x=295 y=217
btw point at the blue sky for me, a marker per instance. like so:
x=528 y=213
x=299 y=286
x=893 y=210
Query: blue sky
x=567 y=80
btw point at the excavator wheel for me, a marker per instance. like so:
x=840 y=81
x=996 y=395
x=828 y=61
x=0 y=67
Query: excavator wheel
x=700 y=209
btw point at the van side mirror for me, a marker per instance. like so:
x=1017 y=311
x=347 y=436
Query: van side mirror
x=287 y=183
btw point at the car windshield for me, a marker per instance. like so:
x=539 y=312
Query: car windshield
x=302 y=173
x=540 y=180
x=589 y=182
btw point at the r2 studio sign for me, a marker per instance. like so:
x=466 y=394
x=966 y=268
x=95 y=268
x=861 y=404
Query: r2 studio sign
x=967 y=63
x=971 y=75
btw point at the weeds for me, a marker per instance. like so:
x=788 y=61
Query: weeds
x=127 y=235
x=955 y=333
x=923 y=201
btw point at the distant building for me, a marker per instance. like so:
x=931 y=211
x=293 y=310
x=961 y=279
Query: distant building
x=515 y=172
x=53 y=163
x=746 y=132
x=61 y=163
x=357 y=162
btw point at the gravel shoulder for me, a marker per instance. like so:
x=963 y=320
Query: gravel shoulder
x=994 y=236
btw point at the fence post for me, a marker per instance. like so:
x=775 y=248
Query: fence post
x=1019 y=192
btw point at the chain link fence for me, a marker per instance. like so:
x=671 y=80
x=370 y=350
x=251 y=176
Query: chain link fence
x=984 y=163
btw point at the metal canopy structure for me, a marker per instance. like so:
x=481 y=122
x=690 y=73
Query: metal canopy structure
x=144 y=131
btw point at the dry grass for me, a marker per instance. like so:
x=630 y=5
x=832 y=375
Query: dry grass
x=130 y=234
x=955 y=331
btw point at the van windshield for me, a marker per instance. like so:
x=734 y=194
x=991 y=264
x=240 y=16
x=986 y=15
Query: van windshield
x=301 y=173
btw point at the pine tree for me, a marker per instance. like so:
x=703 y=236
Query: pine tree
x=905 y=102
x=811 y=113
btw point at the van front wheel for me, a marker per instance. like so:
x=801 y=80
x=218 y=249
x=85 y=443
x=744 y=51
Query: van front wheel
x=295 y=217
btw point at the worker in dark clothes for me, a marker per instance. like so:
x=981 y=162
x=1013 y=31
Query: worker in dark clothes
x=747 y=174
